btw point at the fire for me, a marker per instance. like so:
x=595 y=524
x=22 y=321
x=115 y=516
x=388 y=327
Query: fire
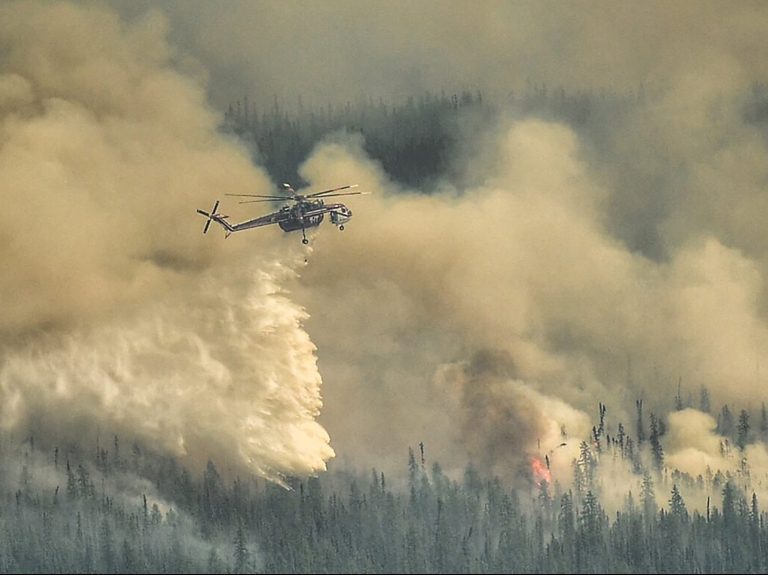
x=540 y=471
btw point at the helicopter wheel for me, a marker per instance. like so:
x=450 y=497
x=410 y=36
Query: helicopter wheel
x=304 y=241
x=341 y=228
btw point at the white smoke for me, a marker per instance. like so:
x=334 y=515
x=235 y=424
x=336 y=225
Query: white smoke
x=220 y=370
x=120 y=317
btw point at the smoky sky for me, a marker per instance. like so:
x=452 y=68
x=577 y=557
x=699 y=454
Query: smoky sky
x=342 y=50
x=486 y=319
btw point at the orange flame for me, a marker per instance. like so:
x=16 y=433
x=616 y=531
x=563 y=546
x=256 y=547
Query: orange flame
x=540 y=471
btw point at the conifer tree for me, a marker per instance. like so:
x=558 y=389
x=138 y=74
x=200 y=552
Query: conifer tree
x=240 y=554
x=704 y=403
x=640 y=424
x=648 y=498
x=656 y=450
x=742 y=429
x=677 y=505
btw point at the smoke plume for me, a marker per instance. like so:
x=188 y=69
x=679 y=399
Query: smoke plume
x=522 y=279
x=119 y=316
x=573 y=263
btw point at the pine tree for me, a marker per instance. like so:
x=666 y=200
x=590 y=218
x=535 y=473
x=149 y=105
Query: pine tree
x=677 y=505
x=763 y=422
x=241 y=554
x=679 y=395
x=725 y=421
x=742 y=430
x=567 y=528
x=640 y=426
x=648 y=498
x=587 y=465
x=71 y=483
x=545 y=499
x=601 y=427
x=413 y=468
x=590 y=532
x=754 y=536
x=84 y=485
x=620 y=436
x=656 y=449
x=729 y=504
x=107 y=547
x=704 y=403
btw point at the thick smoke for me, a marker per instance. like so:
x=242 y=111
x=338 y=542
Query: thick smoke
x=598 y=263
x=221 y=369
x=521 y=282
x=119 y=316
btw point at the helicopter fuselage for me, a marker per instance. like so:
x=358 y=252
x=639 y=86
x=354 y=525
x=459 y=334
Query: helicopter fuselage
x=310 y=214
x=303 y=214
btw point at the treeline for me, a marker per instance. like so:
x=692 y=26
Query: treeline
x=415 y=140
x=116 y=510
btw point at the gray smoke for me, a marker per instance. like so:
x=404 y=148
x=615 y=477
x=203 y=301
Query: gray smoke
x=344 y=50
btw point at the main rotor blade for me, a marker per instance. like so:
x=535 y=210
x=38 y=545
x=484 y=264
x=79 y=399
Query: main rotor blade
x=207 y=225
x=257 y=196
x=329 y=191
x=346 y=194
x=257 y=201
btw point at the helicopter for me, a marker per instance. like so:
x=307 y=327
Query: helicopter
x=306 y=211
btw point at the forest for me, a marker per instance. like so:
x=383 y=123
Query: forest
x=117 y=508
x=108 y=509
x=416 y=139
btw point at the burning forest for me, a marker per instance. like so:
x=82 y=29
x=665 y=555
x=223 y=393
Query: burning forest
x=539 y=346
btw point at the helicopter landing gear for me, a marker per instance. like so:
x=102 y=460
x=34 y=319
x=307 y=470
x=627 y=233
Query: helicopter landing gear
x=304 y=241
x=341 y=228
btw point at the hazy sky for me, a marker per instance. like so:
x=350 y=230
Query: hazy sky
x=340 y=49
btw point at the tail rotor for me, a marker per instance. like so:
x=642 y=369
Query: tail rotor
x=209 y=216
